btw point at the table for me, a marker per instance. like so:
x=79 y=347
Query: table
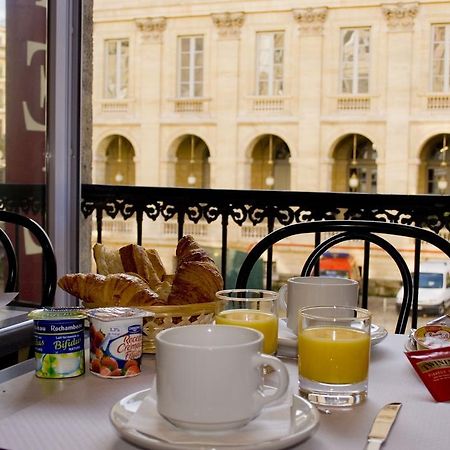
x=74 y=413
x=16 y=330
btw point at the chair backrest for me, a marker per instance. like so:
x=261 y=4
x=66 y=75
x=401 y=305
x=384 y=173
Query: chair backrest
x=49 y=275
x=367 y=231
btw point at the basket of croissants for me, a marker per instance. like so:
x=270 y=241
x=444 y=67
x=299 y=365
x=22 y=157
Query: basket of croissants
x=135 y=276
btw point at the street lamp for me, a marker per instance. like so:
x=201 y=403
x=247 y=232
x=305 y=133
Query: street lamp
x=118 y=178
x=353 y=181
x=192 y=179
x=442 y=182
x=270 y=180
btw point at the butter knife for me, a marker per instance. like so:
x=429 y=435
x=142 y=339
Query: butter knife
x=382 y=425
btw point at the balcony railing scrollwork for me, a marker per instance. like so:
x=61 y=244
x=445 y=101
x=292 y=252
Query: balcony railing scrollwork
x=268 y=208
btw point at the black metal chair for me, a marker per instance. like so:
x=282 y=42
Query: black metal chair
x=49 y=274
x=17 y=336
x=367 y=231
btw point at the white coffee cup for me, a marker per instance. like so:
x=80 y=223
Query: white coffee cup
x=316 y=291
x=210 y=377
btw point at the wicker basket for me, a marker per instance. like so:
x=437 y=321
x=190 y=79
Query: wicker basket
x=171 y=316
x=174 y=316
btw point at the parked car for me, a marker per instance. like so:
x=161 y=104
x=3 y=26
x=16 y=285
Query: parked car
x=434 y=287
x=339 y=264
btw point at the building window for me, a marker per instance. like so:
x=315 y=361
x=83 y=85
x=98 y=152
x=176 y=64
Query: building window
x=440 y=58
x=190 y=66
x=269 y=63
x=355 y=56
x=116 y=68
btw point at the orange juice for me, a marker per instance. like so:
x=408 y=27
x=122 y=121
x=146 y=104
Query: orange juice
x=333 y=355
x=264 y=322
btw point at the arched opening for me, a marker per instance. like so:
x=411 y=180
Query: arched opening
x=270 y=164
x=434 y=170
x=355 y=167
x=192 y=167
x=119 y=163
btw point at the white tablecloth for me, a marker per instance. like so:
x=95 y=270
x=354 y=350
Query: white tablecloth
x=73 y=413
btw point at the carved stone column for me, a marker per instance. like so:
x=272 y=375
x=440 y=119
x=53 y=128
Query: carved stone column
x=229 y=24
x=310 y=45
x=310 y=20
x=400 y=16
x=151 y=28
x=226 y=104
x=149 y=85
x=399 y=57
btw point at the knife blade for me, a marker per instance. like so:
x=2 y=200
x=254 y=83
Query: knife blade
x=382 y=425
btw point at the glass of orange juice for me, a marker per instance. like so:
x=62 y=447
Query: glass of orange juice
x=251 y=308
x=333 y=354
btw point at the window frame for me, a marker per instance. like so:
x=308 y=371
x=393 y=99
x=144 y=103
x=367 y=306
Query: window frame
x=446 y=59
x=118 y=69
x=63 y=135
x=356 y=75
x=192 y=81
x=272 y=79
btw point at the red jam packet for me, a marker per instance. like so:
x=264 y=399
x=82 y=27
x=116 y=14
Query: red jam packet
x=433 y=368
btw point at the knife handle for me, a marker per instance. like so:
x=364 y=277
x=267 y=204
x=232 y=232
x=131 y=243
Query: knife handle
x=374 y=444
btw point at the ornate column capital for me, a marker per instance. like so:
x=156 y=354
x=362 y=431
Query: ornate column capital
x=152 y=28
x=400 y=16
x=311 y=20
x=229 y=24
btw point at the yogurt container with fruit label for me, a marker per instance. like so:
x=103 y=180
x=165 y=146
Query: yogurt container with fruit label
x=116 y=341
x=59 y=342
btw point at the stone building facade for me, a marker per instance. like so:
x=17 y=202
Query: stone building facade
x=272 y=94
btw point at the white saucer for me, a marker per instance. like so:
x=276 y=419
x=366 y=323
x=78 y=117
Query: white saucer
x=287 y=340
x=304 y=420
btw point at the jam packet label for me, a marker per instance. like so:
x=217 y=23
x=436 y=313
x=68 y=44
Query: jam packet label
x=433 y=368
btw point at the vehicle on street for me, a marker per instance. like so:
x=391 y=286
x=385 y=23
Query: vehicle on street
x=434 y=287
x=339 y=264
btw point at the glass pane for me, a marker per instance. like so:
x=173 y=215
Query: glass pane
x=363 y=86
x=23 y=55
x=184 y=59
x=263 y=88
x=199 y=59
x=185 y=44
x=184 y=75
x=184 y=90
x=198 y=75
x=199 y=44
x=198 y=90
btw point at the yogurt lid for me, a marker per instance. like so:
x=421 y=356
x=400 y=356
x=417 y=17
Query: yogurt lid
x=115 y=313
x=60 y=313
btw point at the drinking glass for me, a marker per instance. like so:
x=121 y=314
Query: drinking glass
x=251 y=308
x=333 y=354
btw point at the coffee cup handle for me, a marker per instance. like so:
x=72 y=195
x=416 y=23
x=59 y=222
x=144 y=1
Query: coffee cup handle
x=282 y=376
x=282 y=299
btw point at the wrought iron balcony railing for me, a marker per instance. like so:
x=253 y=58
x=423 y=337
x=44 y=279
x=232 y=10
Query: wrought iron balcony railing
x=271 y=209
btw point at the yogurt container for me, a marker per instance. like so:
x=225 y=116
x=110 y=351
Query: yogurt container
x=59 y=342
x=116 y=341
x=432 y=336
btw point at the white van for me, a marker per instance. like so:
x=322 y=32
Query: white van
x=434 y=287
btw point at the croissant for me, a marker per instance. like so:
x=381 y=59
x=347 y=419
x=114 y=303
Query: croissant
x=136 y=259
x=107 y=260
x=189 y=250
x=195 y=282
x=120 y=289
